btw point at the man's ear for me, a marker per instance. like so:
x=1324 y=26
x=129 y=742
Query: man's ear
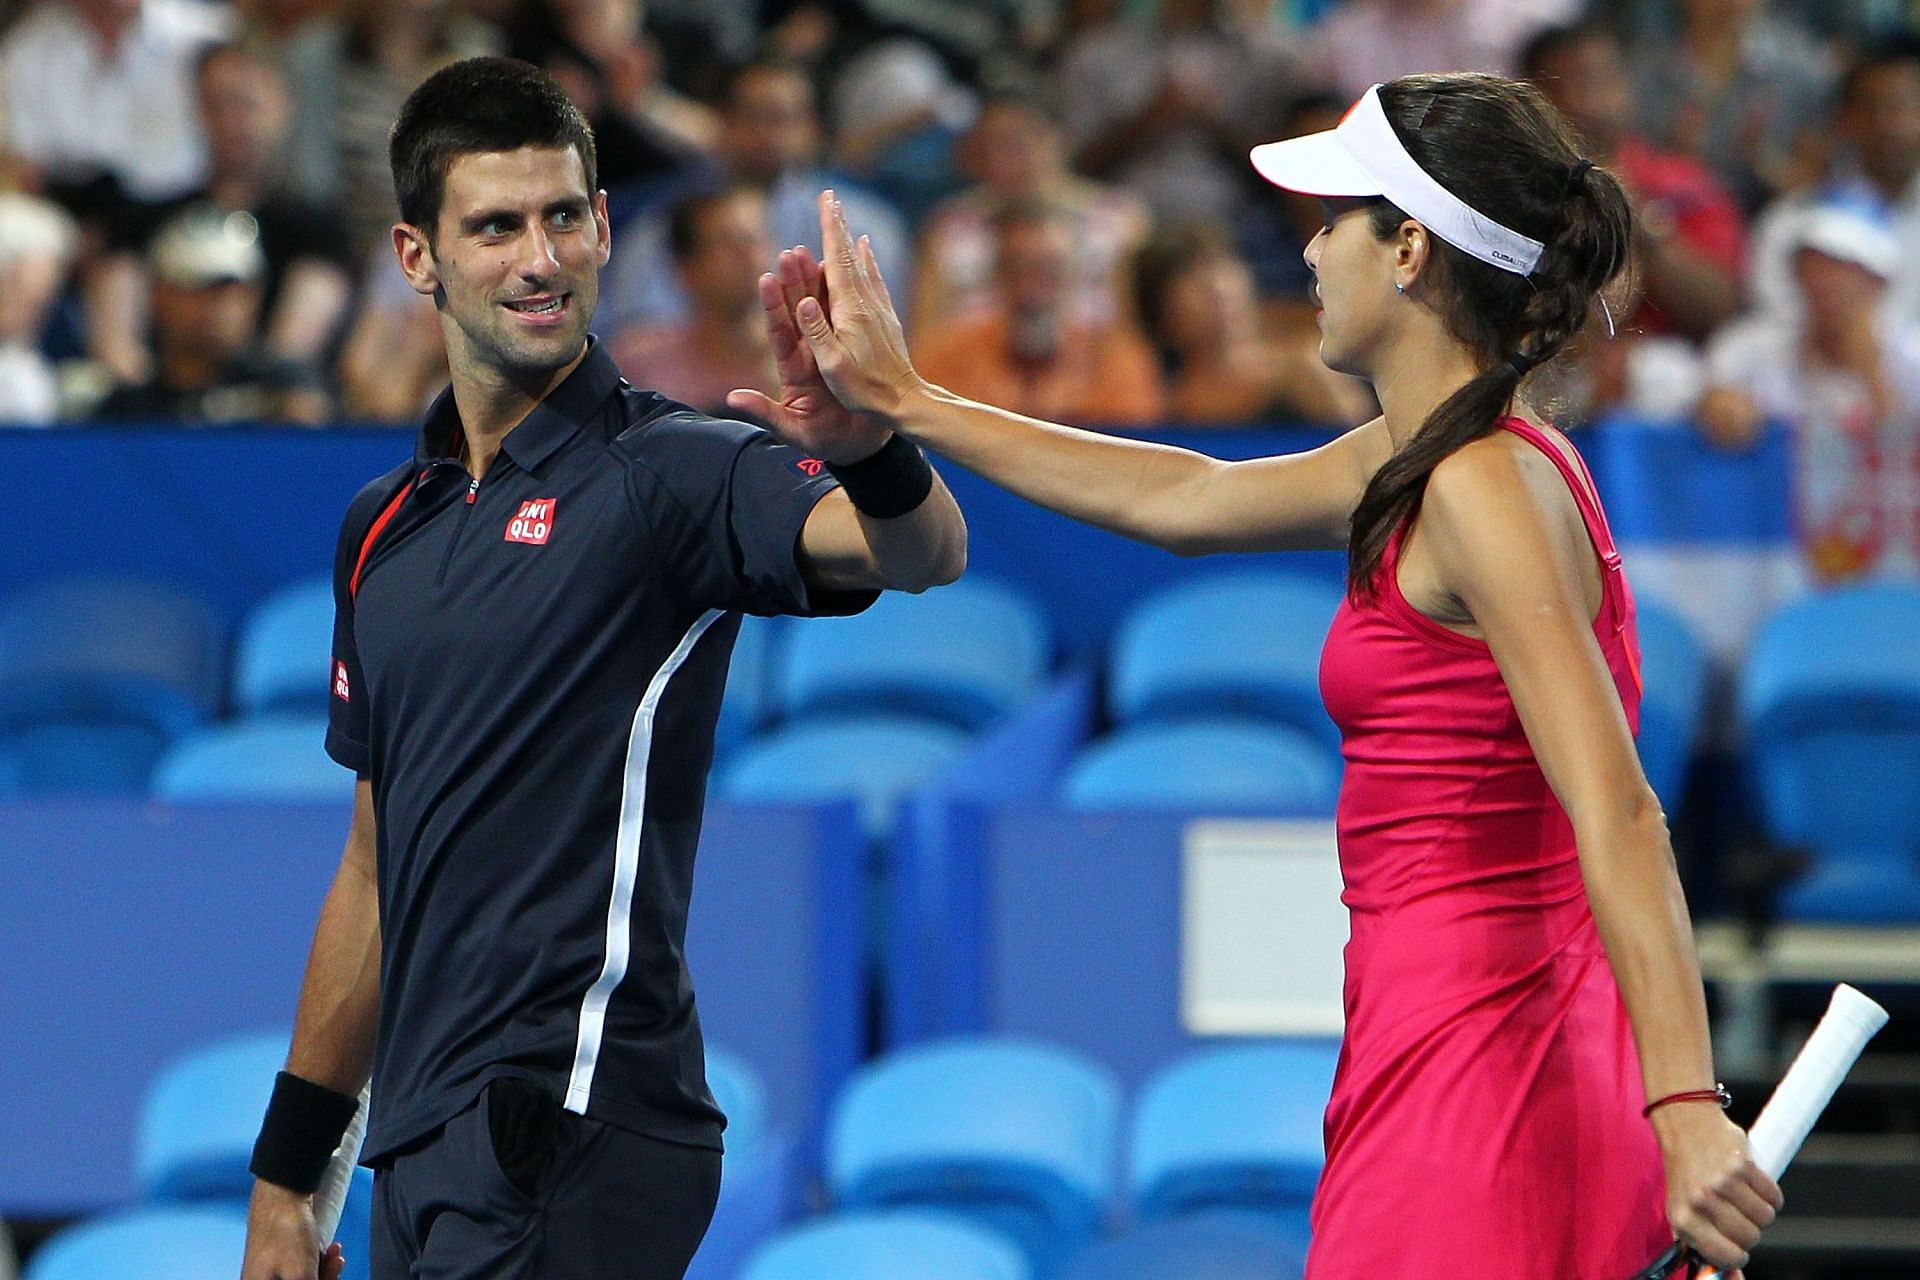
x=416 y=258
x=605 y=254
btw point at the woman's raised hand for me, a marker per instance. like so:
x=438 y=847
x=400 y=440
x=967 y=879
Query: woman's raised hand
x=846 y=317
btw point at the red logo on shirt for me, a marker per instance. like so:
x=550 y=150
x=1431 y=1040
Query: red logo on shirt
x=809 y=467
x=534 y=522
x=340 y=681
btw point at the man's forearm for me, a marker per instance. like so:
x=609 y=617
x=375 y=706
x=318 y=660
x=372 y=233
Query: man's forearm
x=339 y=1007
x=925 y=548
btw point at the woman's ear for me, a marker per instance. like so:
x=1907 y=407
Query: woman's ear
x=1412 y=250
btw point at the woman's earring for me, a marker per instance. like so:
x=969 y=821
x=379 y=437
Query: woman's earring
x=1399 y=288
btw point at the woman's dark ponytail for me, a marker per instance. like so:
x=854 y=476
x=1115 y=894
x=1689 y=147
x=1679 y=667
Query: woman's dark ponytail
x=1499 y=146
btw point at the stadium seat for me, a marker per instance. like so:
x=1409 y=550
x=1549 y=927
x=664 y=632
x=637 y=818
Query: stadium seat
x=1673 y=671
x=876 y=761
x=181 y=1242
x=744 y=708
x=1231 y=765
x=1830 y=698
x=201 y=1115
x=1236 y=643
x=1013 y=1136
x=887 y=1246
x=966 y=654
x=1212 y=1246
x=267 y=760
x=1235 y=1129
x=281 y=667
x=757 y=1187
x=97 y=677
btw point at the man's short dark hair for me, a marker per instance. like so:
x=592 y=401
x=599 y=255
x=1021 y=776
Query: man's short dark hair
x=478 y=105
x=1549 y=44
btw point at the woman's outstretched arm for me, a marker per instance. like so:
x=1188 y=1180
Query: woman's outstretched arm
x=1174 y=498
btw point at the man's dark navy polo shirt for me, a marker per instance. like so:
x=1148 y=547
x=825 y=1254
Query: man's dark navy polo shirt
x=529 y=668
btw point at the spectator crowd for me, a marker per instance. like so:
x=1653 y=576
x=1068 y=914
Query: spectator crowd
x=195 y=203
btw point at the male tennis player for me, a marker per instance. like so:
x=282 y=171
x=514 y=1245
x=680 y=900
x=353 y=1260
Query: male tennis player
x=534 y=617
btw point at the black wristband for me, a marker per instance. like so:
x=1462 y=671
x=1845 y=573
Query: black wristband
x=305 y=1122
x=891 y=483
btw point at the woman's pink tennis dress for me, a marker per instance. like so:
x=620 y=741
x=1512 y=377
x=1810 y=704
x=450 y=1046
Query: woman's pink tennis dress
x=1485 y=1118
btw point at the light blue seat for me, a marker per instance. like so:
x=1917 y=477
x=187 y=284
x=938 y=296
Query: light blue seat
x=876 y=761
x=1218 y=765
x=1235 y=643
x=742 y=1098
x=284 y=656
x=748 y=699
x=1211 y=1246
x=1013 y=1136
x=1830 y=698
x=887 y=1246
x=967 y=654
x=757 y=1189
x=267 y=760
x=1233 y=1129
x=1673 y=673
x=181 y=1242
x=97 y=677
x=201 y=1115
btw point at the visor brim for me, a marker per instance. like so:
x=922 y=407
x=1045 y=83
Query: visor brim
x=1317 y=164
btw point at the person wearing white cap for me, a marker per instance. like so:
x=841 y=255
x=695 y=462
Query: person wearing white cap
x=1841 y=368
x=1526 y=1075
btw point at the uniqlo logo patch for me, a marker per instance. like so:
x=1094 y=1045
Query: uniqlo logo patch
x=534 y=522
x=340 y=689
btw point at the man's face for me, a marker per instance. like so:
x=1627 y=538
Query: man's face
x=1883 y=121
x=246 y=110
x=1588 y=81
x=515 y=260
x=214 y=322
x=1837 y=293
x=722 y=274
x=1013 y=149
x=769 y=126
x=1034 y=257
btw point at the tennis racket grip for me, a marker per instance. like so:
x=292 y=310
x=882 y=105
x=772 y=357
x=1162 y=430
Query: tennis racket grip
x=331 y=1195
x=1850 y=1021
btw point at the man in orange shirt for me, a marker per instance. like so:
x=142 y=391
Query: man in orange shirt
x=1030 y=353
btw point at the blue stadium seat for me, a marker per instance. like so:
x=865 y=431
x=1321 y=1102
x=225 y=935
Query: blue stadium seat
x=1673 y=671
x=1235 y=1128
x=1236 y=643
x=757 y=1189
x=1222 y=765
x=182 y=1242
x=745 y=707
x=887 y=1246
x=201 y=1115
x=97 y=677
x=1211 y=1246
x=1830 y=698
x=355 y=1232
x=876 y=761
x=1013 y=1136
x=281 y=667
x=967 y=654
x=267 y=760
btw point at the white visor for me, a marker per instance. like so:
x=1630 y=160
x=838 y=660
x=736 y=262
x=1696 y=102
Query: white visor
x=1364 y=157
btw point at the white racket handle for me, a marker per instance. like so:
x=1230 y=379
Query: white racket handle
x=1782 y=1126
x=331 y=1195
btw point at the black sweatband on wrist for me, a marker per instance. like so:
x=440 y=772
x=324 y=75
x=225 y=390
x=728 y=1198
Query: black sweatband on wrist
x=891 y=483
x=305 y=1122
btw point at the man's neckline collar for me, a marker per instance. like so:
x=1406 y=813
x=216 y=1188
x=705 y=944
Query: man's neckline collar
x=549 y=425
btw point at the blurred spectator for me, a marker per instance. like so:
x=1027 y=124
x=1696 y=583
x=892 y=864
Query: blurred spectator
x=37 y=243
x=897 y=113
x=720 y=248
x=1030 y=353
x=1280 y=224
x=395 y=358
x=1197 y=297
x=615 y=74
x=349 y=80
x=1689 y=239
x=1169 y=108
x=1015 y=156
x=99 y=97
x=208 y=270
x=1844 y=374
x=1737 y=86
x=1876 y=171
x=1361 y=43
x=770 y=138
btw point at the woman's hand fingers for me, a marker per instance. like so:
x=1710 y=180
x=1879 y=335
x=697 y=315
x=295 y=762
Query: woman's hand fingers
x=871 y=265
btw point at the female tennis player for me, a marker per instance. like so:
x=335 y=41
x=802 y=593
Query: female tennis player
x=1521 y=982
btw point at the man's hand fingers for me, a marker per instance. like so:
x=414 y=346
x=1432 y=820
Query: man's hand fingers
x=332 y=1263
x=755 y=404
x=781 y=332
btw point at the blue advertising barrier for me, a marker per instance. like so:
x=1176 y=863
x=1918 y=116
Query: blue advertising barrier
x=135 y=931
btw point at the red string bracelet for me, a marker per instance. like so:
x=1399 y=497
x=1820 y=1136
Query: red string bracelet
x=1717 y=1094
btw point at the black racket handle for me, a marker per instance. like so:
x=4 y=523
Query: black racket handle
x=1661 y=1268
